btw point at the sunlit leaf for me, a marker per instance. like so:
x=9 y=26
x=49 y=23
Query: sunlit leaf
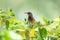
x=27 y=34
x=32 y=32
x=6 y=35
x=10 y=12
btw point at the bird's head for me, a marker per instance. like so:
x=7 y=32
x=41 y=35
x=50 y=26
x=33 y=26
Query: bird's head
x=29 y=14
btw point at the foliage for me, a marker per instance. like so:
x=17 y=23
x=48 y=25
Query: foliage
x=46 y=30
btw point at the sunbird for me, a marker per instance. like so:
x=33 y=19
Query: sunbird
x=31 y=19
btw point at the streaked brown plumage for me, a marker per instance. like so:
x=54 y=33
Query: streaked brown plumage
x=31 y=19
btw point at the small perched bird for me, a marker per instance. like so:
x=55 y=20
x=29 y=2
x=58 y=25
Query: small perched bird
x=31 y=19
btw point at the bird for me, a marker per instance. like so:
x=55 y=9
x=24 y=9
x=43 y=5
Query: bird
x=31 y=19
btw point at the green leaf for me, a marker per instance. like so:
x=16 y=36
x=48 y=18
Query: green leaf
x=46 y=21
x=27 y=34
x=7 y=24
x=3 y=16
x=30 y=26
x=10 y=12
x=38 y=22
x=42 y=33
x=53 y=38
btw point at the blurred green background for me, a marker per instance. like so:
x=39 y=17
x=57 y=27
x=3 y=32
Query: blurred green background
x=40 y=8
